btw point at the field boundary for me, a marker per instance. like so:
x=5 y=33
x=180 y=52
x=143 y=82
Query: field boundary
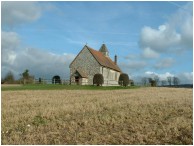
x=61 y=87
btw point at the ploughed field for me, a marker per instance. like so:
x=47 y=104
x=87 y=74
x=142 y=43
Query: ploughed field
x=131 y=116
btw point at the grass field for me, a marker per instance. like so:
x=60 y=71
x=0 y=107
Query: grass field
x=131 y=116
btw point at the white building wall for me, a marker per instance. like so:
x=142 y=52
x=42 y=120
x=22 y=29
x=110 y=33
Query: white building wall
x=110 y=76
x=84 y=81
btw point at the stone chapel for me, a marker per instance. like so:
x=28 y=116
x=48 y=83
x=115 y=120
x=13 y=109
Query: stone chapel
x=90 y=62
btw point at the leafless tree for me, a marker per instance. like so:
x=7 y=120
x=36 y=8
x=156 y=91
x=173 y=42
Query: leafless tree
x=156 y=79
x=144 y=81
x=169 y=79
x=176 y=81
x=163 y=82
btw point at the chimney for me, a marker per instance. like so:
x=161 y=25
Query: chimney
x=115 y=59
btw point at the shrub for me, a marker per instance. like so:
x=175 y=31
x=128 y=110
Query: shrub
x=152 y=82
x=98 y=79
x=56 y=79
x=132 y=83
x=124 y=79
x=9 y=78
x=26 y=77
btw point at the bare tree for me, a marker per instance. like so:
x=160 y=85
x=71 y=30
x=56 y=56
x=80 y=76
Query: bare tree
x=176 y=81
x=144 y=81
x=163 y=82
x=156 y=79
x=169 y=79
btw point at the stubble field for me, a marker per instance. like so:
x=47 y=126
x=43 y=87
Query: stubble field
x=131 y=116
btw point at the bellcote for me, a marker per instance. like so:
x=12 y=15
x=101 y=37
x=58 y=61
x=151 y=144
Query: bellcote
x=104 y=50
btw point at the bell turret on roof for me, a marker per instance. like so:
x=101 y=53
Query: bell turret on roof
x=104 y=50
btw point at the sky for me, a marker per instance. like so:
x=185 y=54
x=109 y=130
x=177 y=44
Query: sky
x=149 y=38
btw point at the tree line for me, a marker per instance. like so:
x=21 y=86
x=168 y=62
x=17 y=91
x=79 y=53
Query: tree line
x=25 y=78
x=155 y=81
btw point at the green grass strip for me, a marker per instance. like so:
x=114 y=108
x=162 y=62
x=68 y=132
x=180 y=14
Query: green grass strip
x=63 y=87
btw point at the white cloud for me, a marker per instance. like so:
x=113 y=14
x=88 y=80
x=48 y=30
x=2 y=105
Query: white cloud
x=164 y=63
x=183 y=19
x=150 y=74
x=174 y=35
x=186 y=77
x=161 y=76
x=160 y=39
x=165 y=75
x=149 y=53
x=16 y=58
x=187 y=33
x=9 y=40
x=132 y=66
x=14 y=13
x=10 y=43
x=45 y=64
x=40 y=63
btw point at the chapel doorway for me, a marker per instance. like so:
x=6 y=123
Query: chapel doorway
x=77 y=80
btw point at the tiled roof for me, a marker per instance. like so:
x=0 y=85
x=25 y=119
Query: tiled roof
x=103 y=60
x=82 y=74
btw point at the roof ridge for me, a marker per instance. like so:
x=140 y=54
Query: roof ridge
x=90 y=47
x=100 y=58
x=103 y=60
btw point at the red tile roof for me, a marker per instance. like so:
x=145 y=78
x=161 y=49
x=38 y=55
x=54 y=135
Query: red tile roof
x=82 y=74
x=103 y=60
